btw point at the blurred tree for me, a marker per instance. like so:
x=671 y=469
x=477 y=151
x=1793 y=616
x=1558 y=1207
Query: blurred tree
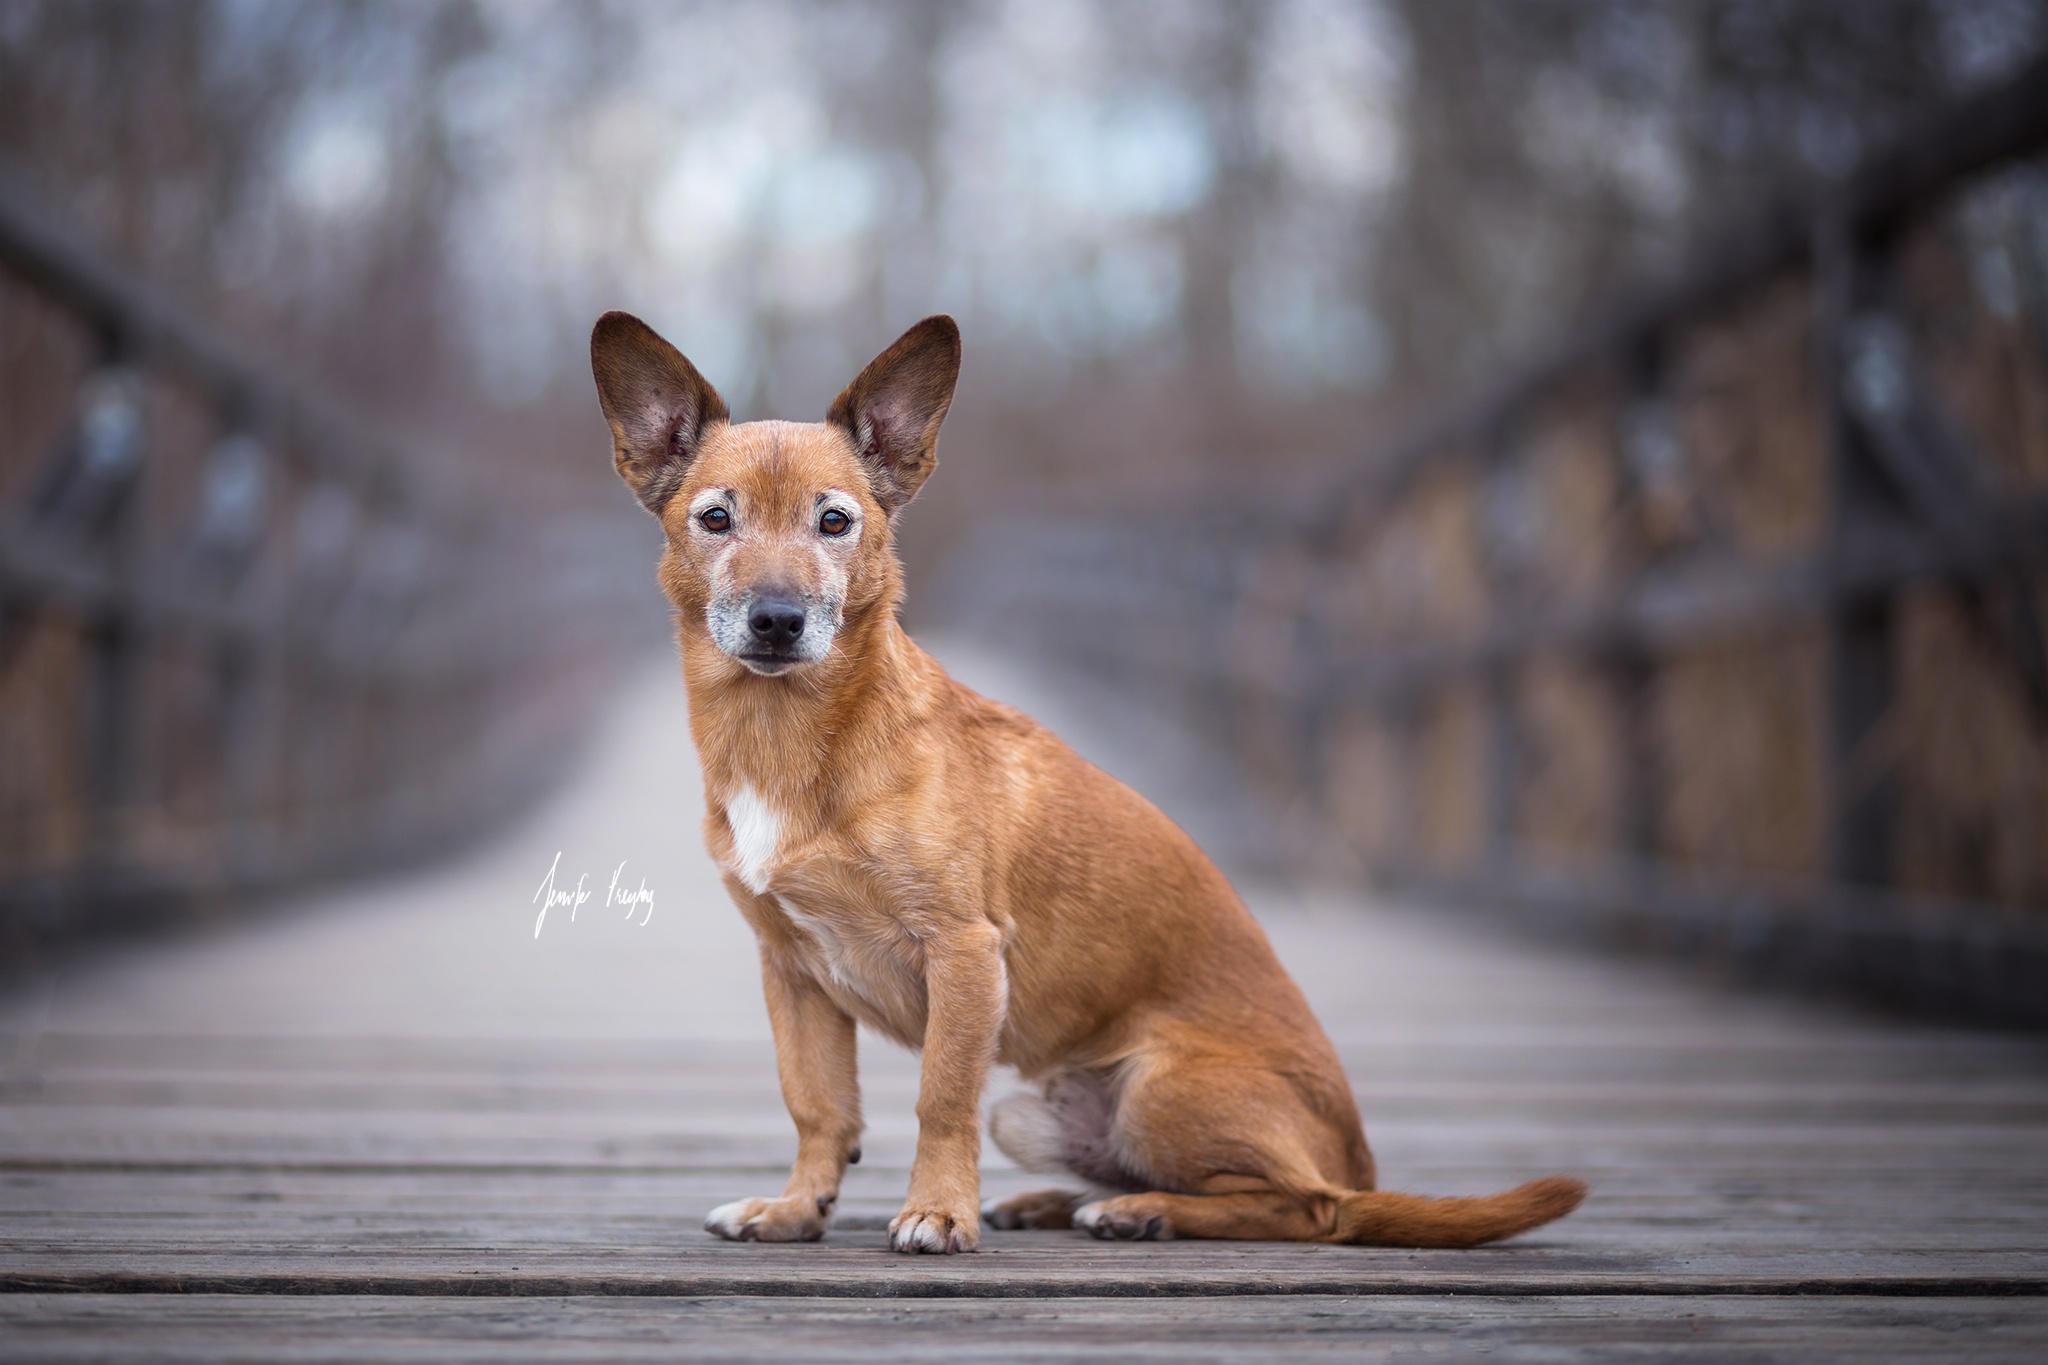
x=1560 y=147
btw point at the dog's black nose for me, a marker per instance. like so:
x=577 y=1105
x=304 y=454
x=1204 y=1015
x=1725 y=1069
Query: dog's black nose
x=776 y=622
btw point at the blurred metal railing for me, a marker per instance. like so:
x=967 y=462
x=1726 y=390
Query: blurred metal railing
x=1679 y=632
x=244 y=640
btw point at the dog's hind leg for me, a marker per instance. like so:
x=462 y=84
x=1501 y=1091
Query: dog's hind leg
x=1245 y=1152
x=1036 y=1209
x=1358 y=1217
x=1260 y=1216
x=1228 y=1146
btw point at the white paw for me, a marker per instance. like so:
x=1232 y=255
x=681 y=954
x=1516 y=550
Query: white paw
x=1090 y=1217
x=933 y=1233
x=727 y=1220
x=766 y=1220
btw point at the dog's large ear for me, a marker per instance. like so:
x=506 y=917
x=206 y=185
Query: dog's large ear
x=893 y=410
x=658 y=406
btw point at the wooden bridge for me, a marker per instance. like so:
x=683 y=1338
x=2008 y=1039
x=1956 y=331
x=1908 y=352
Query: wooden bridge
x=392 y=1123
x=243 y=649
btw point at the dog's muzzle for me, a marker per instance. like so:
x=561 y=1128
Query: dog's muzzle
x=773 y=629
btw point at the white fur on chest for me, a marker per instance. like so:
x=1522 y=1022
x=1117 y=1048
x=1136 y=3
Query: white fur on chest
x=756 y=830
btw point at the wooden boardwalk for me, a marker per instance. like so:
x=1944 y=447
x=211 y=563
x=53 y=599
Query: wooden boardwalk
x=392 y=1123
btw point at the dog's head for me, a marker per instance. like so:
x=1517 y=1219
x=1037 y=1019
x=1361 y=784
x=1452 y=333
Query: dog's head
x=778 y=532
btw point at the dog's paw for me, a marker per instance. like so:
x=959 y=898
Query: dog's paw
x=768 y=1220
x=1125 y=1218
x=1038 y=1209
x=934 y=1230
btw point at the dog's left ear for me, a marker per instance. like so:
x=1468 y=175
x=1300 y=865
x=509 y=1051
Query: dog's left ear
x=893 y=410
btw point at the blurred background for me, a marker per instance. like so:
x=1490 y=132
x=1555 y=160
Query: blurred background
x=1586 y=462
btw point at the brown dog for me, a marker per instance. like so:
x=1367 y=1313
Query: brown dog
x=938 y=867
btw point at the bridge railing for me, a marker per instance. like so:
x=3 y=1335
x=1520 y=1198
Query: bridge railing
x=245 y=640
x=1716 y=625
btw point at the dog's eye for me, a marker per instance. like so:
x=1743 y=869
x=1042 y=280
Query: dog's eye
x=716 y=520
x=834 y=522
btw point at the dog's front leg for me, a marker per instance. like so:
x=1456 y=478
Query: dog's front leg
x=815 y=1059
x=966 y=996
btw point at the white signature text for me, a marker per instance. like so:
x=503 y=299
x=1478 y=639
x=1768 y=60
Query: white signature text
x=637 y=900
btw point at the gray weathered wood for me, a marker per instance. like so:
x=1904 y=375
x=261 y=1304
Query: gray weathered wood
x=153 y=1327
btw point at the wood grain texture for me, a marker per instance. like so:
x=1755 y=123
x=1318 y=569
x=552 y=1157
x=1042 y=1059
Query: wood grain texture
x=151 y=1327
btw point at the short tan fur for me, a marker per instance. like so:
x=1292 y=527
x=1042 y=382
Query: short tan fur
x=917 y=858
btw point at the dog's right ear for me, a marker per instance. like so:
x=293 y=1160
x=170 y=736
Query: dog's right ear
x=658 y=406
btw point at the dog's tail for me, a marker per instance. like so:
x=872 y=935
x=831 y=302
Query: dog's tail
x=1383 y=1219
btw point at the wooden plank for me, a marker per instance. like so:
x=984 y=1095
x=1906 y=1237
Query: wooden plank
x=711 y=1329
x=870 y=1271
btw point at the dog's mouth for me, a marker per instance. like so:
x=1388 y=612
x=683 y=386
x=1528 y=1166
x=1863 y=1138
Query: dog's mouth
x=769 y=665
